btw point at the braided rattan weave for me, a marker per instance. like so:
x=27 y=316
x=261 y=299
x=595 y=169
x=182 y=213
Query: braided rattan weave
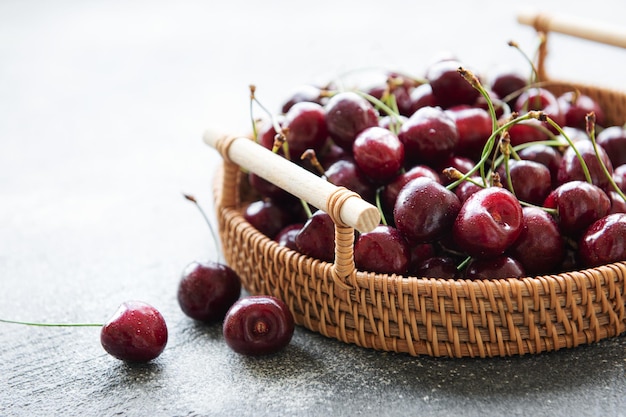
x=421 y=316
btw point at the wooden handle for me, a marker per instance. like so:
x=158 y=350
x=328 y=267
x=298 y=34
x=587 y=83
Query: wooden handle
x=353 y=211
x=578 y=27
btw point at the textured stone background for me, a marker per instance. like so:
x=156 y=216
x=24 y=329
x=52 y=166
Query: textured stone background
x=102 y=107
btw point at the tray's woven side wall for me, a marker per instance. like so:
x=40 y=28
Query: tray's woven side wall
x=429 y=316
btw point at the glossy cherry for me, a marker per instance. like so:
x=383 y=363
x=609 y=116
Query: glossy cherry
x=499 y=267
x=575 y=108
x=531 y=180
x=571 y=168
x=613 y=141
x=207 y=290
x=488 y=223
x=429 y=136
x=604 y=241
x=317 y=237
x=378 y=153
x=425 y=210
x=267 y=217
x=382 y=250
x=347 y=115
x=135 y=333
x=448 y=86
x=258 y=325
x=305 y=127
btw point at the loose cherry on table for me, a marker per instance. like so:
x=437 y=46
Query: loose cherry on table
x=258 y=325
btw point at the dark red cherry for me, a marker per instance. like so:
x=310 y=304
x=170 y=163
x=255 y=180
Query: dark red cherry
x=576 y=107
x=499 y=267
x=317 y=237
x=422 y=96
x=305 y=127
x=258 y=325
x=347 y=115
x=540 y=99
x=528 y=131
x=207 y=290
x=268 y=189
x=425 y=210
x=465 y=189
x=618 y=204
x=429 y=136
x=571 y=168
x=382 y=250
x=619 y=177
x=505 y=83
x=378 y=153
x=604 y=241
x=287 y=236
x=544 y=154
x=488 y=223
x=136 y=333
x=391 y=190
x=448 y=85
x=438 y=267
x=577 y=204
x=531 y=180
x=303 y=93
x=540 y=247
x=613 y=141
x=474 y=126
x=267 y=217
x=346 y=173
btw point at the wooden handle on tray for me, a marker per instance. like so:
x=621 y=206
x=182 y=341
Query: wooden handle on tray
x=578 y=27
x=344 y=206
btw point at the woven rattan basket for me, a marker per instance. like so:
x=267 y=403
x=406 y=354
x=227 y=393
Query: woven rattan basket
x=418 y=316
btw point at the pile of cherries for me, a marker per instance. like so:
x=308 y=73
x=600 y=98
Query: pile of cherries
x=473 y=180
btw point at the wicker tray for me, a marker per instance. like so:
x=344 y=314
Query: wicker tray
x=418 y=316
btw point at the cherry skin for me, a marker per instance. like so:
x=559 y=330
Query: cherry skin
x=604 y=242
x=425 y=210
x=474 y=126
x=346 y=173
x=382 y=250
x=287 y=236
x=507 y=82
x=429 y=136
x=207 y=290
x=577 y=204
x=449 y=87
x=258 y=325
x=303 y=93
x=488 y=223
x=437 y=267
x=576 y=107
x=347 y=115
x=613 y=141
x=267 y=217
x=317 y=237
x=305 y=126
x=422 y=96
x=540 y=99
x=379 y=153
x=135 y=333
x=528 y=131
x=499 y=267
x=544 y=154
x=571 y=169
x=531 y=180
x=392 y=189
x=540 y=247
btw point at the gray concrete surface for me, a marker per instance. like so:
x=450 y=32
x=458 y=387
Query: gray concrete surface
x=102 y=107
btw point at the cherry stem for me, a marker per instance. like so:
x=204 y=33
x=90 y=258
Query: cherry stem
x=591 y=131
x=583 y=165
x=28 y=323
x=208 y=222
x=379 y=205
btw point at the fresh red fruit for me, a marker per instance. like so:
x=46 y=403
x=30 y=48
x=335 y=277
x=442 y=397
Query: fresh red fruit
x=305 y=127
x=425 y=210
x=448 y=85
x=613 y=141
x=429 y=136
x=422 y=96
x=571 y=168
x=317 y=237
x=576 y=107
x=258 y=325
x=346 y=173
x=267 y=217
x=303 y=93
x=531 y=181
x=382 y=250
x=604 y=241
x=577 y=204
x=544 y=154
x=391 y=190
x=488 y=223
x=347 y=115
x=540 y=247
x=499 y=267
x=437 y=267
x=474 y=126
x=135 y=333
x=528 y=131
x=378 y=153
x=207 y=290
x=287 y=236
x=540 y=99
x=506 y=83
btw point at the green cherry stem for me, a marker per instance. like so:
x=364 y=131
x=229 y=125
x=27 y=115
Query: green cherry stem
x=571 y=144
x=208 y=222
x=29 y=323
x=591 y=131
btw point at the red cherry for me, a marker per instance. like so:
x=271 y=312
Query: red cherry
x=136 y=333
x=378 y=153
x=429 y=136
x=449 y=87
x=207 y=290
x=604 y=241
x=347 y=115
x=494 y=268
x=488 y=223
x=613 y=141
x=382 y=250
x=258 y=325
